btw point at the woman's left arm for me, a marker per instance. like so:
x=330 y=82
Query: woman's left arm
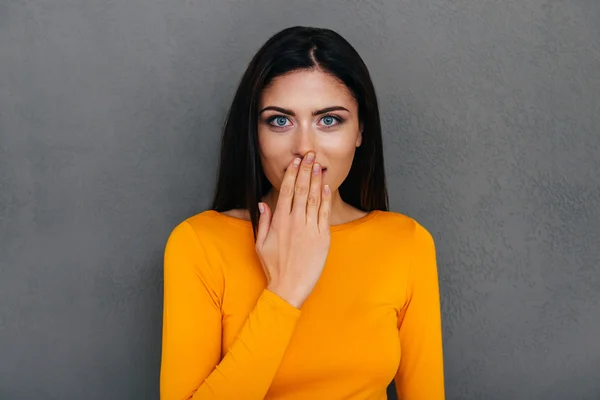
x=421 y=372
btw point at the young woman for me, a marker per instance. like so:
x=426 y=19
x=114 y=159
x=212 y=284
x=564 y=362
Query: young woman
x=324 y=295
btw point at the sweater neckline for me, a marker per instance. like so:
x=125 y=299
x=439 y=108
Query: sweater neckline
x=333 y=228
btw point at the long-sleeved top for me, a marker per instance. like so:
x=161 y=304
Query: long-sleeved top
x=373 y=316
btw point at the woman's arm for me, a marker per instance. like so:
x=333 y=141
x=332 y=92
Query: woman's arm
x=421 y=372
x=191 y=365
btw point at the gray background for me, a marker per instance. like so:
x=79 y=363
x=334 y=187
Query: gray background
x=110 y=117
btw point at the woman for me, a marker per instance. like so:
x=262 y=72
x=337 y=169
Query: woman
x=326 y=295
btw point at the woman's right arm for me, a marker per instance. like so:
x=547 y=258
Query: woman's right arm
x=292 y=245
x=191 y=366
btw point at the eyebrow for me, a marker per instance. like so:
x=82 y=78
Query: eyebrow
x=317 y=112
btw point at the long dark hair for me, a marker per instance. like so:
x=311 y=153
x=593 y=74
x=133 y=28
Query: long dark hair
x=241 y=180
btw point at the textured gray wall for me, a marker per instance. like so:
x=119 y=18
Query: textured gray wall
x=110 y=115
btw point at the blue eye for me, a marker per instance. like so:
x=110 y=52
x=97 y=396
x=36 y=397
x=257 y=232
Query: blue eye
x=277 y=121
x=328 y=120
x=280 y=121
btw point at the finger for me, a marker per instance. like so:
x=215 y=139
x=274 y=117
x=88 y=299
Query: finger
x=263 y=224
x=325 y=209
x=314 y=196
x=286 y=191
x=303 y=186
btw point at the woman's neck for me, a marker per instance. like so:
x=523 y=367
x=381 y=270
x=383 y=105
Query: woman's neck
x=341 y=212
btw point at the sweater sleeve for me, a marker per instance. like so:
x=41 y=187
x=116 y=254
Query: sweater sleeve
x=421 y=372
x=191 y=364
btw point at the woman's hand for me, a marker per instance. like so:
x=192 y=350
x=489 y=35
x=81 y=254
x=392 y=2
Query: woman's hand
x=293 y=242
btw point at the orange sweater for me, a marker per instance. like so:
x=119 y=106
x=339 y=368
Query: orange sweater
x=373 y=316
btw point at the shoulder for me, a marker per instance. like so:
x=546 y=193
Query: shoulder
x=403 y=226
x=189 y=253
x=201 y=227
x=416 y=243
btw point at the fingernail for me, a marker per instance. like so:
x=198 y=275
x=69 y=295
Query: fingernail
x=261 y=207
x=297 y=161
x=316 y=169
x=310 y=157
x=327 y=189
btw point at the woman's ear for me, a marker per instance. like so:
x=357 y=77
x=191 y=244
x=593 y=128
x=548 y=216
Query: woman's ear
x=359 y=137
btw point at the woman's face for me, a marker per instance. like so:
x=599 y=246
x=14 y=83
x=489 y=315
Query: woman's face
x=304 y=111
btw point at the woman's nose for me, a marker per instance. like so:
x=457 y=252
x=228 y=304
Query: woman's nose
x=303 y=143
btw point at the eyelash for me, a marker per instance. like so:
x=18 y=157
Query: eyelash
x=274 y=117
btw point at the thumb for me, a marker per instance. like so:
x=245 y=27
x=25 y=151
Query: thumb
x=264 y=223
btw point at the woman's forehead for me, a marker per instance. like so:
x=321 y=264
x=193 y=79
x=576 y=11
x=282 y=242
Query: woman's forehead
x=306 y=90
